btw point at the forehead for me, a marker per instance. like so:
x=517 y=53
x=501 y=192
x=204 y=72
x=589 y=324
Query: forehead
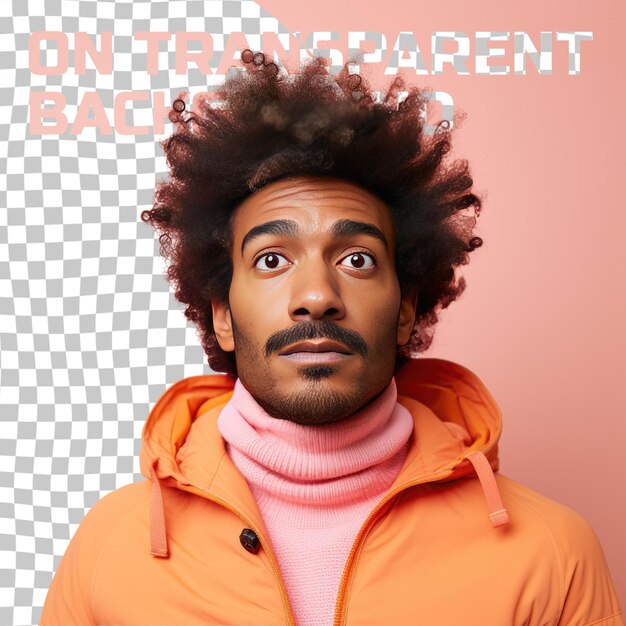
x=315 y=203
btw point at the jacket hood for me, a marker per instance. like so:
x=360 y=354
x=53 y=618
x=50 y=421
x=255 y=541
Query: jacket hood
x=457 y=425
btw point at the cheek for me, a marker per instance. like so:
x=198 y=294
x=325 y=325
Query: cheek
x=384 y=297
x=378 y=314
x=255 y=315
x=264 y=298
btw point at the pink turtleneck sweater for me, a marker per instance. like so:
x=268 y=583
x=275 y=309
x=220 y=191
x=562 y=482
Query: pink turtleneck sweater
x=315 y=485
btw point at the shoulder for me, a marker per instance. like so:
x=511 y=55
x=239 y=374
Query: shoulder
x=577 y=557
x=532 y=506
x=69 y=598
x=572 y=535
x=113 y=513
x=116 y=506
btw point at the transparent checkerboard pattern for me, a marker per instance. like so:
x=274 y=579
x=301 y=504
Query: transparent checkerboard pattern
x=90 y=333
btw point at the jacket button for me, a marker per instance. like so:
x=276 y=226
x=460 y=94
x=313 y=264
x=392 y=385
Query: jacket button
x=249 y=540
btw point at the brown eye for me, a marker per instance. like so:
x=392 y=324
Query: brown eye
x=358 y=260
x=270 y=261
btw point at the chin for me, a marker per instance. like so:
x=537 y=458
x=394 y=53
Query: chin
x=317 y=372
x=316 y=398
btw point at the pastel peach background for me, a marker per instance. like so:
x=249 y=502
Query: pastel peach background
x=542 y=319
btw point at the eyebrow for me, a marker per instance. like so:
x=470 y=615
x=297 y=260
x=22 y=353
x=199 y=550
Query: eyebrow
x=341 y=228
x=275 y=227
x=345 y=228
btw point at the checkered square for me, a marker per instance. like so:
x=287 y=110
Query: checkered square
x=90 y=333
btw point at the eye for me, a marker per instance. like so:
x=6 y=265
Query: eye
x=271 y=261
x=358 y=261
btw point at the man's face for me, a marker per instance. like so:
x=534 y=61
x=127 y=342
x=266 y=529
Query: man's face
x=315 y=311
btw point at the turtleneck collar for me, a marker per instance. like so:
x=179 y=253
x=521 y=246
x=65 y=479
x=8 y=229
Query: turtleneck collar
x=339 y=464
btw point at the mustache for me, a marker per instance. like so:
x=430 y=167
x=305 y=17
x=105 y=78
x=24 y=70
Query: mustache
x=316 y=330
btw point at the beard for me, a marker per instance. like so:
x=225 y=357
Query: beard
x=317 y=402
x=315 y=405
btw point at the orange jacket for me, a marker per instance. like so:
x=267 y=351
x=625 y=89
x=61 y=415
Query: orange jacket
x=451 y=544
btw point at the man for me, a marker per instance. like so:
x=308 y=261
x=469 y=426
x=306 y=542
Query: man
x=329 y=478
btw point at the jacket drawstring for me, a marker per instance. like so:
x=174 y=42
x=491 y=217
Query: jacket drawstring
x=497 y=513
x=158 y=536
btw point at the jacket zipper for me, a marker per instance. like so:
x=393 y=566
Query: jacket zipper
x=365 y=527
x=341 y=596
x=248 y=523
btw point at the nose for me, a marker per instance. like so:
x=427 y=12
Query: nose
x=315 y=293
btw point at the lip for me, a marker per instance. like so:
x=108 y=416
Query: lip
x=316 y=357
x=316 y=348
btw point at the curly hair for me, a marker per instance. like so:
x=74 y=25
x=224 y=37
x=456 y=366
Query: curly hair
x=275 y=126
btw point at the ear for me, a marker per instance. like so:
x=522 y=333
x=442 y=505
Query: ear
x=223 y=325
x=406 y=318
